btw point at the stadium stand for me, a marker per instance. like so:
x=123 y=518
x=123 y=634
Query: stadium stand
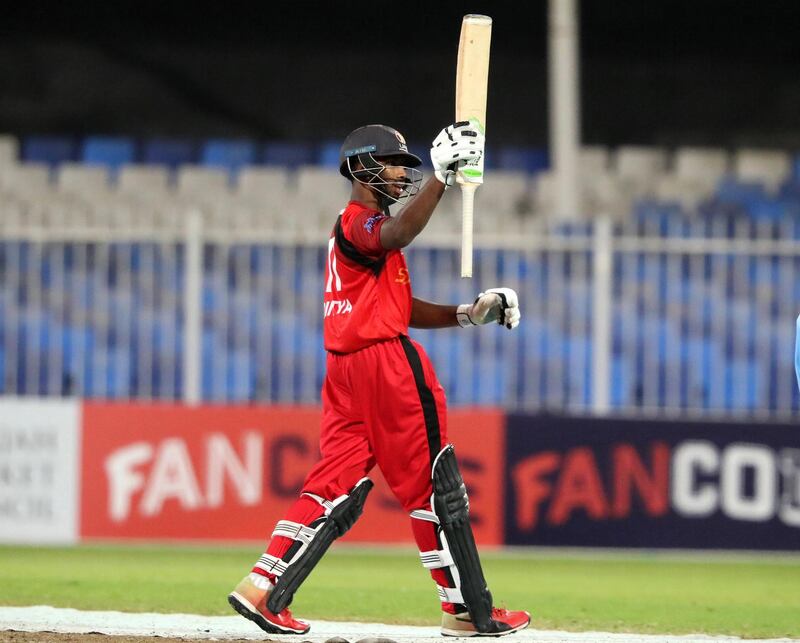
x=169 y=152
x=9 y=150
x=101 y=315
x=231 y=155
x=108 y=151
x=290 y=155
x=768 y=168
x=49 y=149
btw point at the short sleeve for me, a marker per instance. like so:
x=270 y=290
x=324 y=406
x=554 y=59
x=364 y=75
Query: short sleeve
x=364 y=232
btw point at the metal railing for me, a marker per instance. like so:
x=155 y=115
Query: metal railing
x=697 y=320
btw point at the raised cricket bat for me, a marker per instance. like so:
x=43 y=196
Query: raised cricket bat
x=472 y=78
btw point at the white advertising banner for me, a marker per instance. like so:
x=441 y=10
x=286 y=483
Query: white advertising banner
x=39 y=470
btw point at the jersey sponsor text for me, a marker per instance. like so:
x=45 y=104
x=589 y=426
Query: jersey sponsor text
x=337 y=307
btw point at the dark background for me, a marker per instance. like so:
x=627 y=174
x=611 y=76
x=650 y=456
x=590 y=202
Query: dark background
x=669 y=72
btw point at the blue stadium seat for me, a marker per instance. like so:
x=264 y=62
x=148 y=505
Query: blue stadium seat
x=579 y=369
x=49 y=149
x=289 y=154
x=109 y=151
x=794 y=172
x=329 y=154
x=240 y=376
x=744 y=383
x=729 y=190
x=170 y=152
x=774 y=210
x=118 y=373
x=78 y=344
x=528 y=159
x=210 y=350
x=621 y=383
x=228 y=154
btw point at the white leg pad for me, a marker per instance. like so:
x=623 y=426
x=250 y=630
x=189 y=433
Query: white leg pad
x=440 y=559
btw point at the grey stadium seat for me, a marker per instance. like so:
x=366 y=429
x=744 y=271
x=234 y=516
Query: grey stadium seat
x=769 y=167
x=639 y=162
x=705 y=165
x=199 y=182
x=25 y=179
x=9 y=150
x=593 y=158
x=143 y=181
x=258 y=183
x=86 y=181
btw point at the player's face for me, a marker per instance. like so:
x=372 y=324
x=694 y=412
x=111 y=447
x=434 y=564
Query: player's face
x=394 y=173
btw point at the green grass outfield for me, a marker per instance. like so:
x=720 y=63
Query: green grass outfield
x=751 y=597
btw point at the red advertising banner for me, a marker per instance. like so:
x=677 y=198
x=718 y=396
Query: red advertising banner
x=165 y=471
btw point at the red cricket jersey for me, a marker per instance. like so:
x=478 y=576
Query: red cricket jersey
x=367 y=288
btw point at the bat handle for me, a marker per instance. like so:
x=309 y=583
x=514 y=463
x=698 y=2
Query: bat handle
x=467 y=208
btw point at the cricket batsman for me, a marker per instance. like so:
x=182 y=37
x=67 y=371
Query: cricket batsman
x=382 y=402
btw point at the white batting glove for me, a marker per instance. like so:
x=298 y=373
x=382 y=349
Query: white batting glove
x=499 y=305
x=454 y=146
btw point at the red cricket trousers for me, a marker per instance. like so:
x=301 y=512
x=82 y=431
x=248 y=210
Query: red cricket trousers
x=381 y=405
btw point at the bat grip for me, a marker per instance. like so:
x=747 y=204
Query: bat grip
x=467 y=208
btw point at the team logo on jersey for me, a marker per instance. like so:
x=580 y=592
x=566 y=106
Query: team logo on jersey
x=369 y=224
x=402 y=141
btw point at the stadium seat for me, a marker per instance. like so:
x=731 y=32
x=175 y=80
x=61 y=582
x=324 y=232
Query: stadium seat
x=49 y=149
x=544 y=193
x=262 y=183
x=108 y=151
x=228 y=154
x=608 y=194
x=704 y=166
x=78 y=179
x=673 y=189
x=592 y=159
x=26 y=179
x=739 y=193
x=795 y=171
x=744 y=385
x=196 y=181
x=329 y=154
x=504 y=193
x=639 y=165
x=523 y=159
x=767 y=167
x=143 y=181
x=321 y=193
x=291 y=155
x=169 y=152
x=9 y=150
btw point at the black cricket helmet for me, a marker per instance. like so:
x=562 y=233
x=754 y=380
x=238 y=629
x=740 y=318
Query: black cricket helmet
x=367 y=145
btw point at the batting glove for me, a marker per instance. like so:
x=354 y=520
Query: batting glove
x=499 y=305
x=455 y=145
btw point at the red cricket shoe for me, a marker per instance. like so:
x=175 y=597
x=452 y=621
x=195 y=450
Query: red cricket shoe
x=251 y=602
x=503 y=622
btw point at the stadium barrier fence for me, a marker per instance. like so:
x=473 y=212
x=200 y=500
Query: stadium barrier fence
x=688 y=321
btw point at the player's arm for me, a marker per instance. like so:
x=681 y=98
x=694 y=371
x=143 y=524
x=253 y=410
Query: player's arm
x=499 y=305
x=454 y=145
x=426 y=314
x=401 y=229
